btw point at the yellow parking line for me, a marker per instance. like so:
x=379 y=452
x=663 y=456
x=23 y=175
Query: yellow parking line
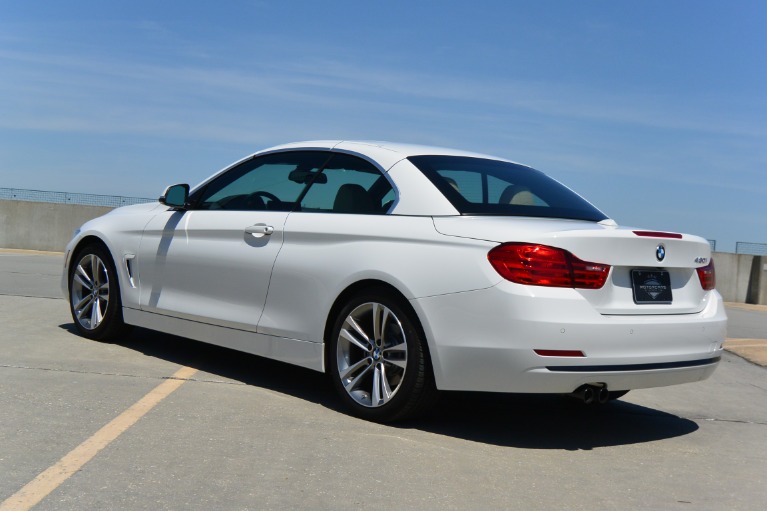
x=22 y=251
x=37 y=489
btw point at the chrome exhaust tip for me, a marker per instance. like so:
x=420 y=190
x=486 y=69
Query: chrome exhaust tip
x=591 y=393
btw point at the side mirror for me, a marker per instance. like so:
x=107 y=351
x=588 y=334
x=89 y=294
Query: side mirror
x=175 y=196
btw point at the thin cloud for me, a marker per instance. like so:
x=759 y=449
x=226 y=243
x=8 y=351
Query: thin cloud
x=327 y=84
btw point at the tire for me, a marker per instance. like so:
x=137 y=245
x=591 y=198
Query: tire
x=378 y=359
x=94 y=294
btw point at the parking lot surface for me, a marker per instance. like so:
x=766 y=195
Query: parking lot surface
x=89 y=425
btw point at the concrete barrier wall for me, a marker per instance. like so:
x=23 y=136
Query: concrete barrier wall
x=48 y=226
x=741 y=278
x=733 y=274
x=758 y=290
x=42 y=225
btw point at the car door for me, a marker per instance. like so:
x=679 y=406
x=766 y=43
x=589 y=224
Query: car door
x=212 y=262
x=342 y=218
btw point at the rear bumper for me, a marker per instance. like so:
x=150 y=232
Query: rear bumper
x=484 y=341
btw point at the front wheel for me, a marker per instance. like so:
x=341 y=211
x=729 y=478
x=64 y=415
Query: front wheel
x=94 y=294
x=378 y=359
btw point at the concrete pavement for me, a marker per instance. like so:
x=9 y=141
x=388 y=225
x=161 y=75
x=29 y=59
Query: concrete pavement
x=747 y=332
x=241 y=432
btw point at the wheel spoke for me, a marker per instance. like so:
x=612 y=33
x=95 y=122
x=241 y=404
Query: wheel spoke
x=377 y=311
x=354 y=367
x=384 y=321
x=357 y=328
x=375 y=399
x=396 y=336
x=350 y=337
x=396 y=347
x=396 y=355
x=97 y=268
x=94 y=270
x=382 y=392
x=96 y=316
x=82 y=304
x=353 y=384
x=397 y=362
x=386 y=389
x=83 y=279
x=82 y=311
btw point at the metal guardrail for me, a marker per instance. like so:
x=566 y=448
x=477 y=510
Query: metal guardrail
x=744 y=247
x=88 y=199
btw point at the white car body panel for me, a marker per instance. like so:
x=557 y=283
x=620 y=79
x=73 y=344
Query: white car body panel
x=199 y=274
x=588 y=240
x=485 y=344
x=593 y=242
x=354 y=248
x=190 y=265
x=292 y=351
x=120 y=230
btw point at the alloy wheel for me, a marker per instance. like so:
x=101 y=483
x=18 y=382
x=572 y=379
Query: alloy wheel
x=90 y=291
x=371 y=354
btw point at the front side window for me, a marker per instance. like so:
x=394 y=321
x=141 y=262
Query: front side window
x=477 y=186
x=271 y=182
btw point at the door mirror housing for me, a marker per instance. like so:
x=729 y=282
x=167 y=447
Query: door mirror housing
x=176 y=196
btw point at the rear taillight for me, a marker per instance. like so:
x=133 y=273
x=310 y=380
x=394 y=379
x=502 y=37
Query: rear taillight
x=707 y=276
x=541 y=265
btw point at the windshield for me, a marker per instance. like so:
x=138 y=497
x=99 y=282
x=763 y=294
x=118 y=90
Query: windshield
x=476 y=186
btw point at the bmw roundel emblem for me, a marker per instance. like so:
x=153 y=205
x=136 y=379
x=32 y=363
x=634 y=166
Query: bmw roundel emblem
x=660 y=252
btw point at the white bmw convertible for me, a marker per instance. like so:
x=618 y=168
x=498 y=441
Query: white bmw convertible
x=403 y=270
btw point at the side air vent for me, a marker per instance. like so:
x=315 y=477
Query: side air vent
x=129 y=268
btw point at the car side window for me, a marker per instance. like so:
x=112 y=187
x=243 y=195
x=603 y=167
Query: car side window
x=349 y=185
x=271 y=182
x=479 y=186
x=468 y=184
x=501 y=191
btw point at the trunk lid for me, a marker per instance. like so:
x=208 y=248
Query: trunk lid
x=620 y=247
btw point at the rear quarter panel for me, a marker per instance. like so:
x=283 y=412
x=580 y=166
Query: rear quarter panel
x=324 y=253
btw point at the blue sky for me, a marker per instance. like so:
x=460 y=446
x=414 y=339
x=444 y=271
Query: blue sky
x=656 y=111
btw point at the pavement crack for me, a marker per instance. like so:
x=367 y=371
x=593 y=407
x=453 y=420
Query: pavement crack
x=33 y=296
x=32 y=274
x=731 y=421
x=205 y=380
x=123 y=375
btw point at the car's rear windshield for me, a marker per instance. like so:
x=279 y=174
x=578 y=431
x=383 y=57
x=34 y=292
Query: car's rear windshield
x=478 y=186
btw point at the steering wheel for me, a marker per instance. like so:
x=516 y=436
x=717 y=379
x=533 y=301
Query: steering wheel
x=255 y=198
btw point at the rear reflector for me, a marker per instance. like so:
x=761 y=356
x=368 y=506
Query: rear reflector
x=541 y=265
x=707 y=276
x=560 y=353
x=658 y=234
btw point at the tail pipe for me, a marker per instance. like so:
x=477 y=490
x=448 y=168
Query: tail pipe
x=592 y=393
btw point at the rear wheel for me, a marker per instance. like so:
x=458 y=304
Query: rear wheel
x=94 y=294
x=378 y=359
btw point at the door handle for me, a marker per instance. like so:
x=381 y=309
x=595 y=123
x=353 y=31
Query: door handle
x=259 y=230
